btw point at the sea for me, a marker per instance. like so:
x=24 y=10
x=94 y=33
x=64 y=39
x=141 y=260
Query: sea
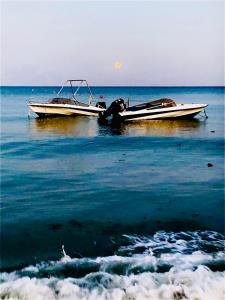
x=112 y=211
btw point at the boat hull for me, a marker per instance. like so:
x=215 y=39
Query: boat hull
x=52 y=110
x=179 y=112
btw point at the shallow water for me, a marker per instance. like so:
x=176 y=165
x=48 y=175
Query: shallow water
x=137 y=208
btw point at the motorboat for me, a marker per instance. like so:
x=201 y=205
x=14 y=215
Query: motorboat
x=68 y=106
x=158 y=109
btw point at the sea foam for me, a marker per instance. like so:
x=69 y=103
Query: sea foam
x=164 y=266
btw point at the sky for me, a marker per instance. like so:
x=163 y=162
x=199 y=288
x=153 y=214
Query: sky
x=110 y=43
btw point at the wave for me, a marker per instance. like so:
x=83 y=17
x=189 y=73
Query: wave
x=184 y=265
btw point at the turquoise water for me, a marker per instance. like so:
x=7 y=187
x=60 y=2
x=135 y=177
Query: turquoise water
x=131 y=200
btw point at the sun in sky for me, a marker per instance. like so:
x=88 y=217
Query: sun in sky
x=117 y=65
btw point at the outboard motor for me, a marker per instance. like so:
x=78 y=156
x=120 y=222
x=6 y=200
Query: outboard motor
x=115 y=108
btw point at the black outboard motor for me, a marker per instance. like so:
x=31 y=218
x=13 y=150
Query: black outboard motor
x=115 y=108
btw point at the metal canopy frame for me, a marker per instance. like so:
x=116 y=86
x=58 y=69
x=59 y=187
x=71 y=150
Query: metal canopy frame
x=81 y=81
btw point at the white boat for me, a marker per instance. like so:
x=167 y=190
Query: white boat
x=158 y=109
x=61 y=106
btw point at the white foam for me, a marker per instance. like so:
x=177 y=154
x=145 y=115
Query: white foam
x=178 y=242
x=201 y=284
x=187 y=276
x=144 y=262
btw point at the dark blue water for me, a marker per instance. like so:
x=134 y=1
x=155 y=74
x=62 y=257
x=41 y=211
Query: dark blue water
x=138 y=196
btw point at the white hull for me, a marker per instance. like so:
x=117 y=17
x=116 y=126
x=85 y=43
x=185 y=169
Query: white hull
x=48 y=109
x=179 y=111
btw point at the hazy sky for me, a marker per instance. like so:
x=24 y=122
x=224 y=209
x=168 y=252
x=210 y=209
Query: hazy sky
x=153 y=42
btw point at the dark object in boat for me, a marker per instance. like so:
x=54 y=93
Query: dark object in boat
x=161 y=103
x=66 y=101
x=210 y=165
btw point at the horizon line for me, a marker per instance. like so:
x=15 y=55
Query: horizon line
x=121 y=86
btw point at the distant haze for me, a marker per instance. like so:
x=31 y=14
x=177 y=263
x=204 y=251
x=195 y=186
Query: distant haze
x=154 y=43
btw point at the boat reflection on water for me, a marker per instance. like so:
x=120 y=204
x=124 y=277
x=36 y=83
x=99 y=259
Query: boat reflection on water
x=168 y=128
x=81 y=126
x=65 y=126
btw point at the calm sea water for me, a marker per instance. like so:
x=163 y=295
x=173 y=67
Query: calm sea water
x=139 y=212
